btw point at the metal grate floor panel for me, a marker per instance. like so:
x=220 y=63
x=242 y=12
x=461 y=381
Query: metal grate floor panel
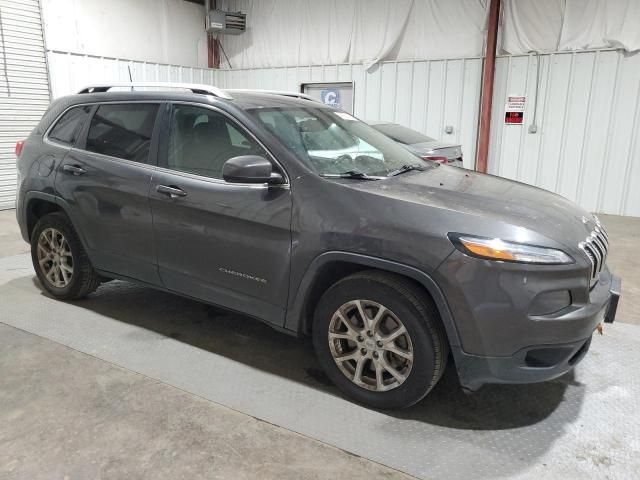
x=585 y=424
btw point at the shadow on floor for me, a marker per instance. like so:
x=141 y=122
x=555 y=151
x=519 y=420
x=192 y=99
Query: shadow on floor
x=246 y=340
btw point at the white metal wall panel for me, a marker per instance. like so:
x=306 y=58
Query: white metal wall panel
x=69 y=72
x=588 y=118
x=24 y=87
x=442 y=92
x=588 y=110
x=425 y=95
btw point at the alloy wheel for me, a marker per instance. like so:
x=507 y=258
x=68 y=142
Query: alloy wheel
x=55 y=259
x=370 y=345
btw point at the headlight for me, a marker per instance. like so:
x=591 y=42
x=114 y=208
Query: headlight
x=496 y=249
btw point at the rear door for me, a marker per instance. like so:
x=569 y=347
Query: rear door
x=225 y=243
x=105 y=182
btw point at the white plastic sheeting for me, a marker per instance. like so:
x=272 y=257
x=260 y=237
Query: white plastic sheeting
x=531 y=25
x=301 y=32
x=308 y=32
x=559 y=25
x=601 y=23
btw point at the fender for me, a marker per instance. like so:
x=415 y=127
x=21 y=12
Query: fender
x=21 y=211
x=64 y=206
x=295 y=318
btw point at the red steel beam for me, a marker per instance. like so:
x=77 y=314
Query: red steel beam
x=488 y=75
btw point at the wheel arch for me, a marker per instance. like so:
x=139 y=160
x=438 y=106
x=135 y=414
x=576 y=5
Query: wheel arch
x=329 y=267
x=38 y=204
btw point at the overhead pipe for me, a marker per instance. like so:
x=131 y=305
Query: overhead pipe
x=488 y=76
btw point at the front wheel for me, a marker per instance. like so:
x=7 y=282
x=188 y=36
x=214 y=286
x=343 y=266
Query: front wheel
x=379 y=339
x=59 y=259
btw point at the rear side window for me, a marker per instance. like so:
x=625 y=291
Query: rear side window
x=67 y=129
x=123 y=130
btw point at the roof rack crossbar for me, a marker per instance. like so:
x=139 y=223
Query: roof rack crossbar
x=193 y=87
x=274 y=92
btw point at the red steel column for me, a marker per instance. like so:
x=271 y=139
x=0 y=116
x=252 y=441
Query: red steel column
x=488 y=74
x=213 y=49
x=210 y=51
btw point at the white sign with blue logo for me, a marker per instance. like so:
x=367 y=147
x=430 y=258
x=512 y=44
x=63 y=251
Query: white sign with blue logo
x=331 y=96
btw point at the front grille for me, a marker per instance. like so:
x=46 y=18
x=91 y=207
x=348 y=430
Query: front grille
x=596 y=247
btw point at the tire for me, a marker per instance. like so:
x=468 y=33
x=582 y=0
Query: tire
x=423 y=345
x=74 y=276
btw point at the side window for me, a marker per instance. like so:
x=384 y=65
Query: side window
x=123 y=130
x=237 y=138
x=202 y=140
x=67 y=129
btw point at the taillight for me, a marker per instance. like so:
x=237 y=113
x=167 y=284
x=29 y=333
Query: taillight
x=19 y=145
x=435 y=159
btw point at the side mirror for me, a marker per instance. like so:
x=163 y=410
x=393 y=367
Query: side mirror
x=250 y=169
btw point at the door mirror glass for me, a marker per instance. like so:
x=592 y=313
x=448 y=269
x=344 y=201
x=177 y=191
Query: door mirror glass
x=250 y=169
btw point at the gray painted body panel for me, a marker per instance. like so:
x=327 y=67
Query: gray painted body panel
x=259 y=249
x=110 y=206
x=226 y=244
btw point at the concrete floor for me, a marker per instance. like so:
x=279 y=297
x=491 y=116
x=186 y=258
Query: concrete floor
x=624 y=261
x=69 y=414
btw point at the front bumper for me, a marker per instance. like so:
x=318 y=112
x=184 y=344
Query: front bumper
x=535 y=363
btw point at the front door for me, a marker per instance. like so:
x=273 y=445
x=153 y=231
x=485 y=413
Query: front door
x=225 y=243
x=105 y=183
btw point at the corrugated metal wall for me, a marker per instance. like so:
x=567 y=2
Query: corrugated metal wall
x=70 y=72
x=449 y=99
x=24 y=88
x=425 y=95
x=588 y=110
x=587 y=147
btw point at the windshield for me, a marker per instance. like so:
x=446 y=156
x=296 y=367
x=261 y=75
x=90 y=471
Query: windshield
x=333 y=142
x=402 y=134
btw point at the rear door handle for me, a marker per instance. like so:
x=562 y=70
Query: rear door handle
x=74 y=169
x=171 y=191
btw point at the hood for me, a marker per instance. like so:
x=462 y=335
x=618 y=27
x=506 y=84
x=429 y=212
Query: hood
x=492 y=199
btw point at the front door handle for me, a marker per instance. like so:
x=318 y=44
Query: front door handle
x=74 y=169
x=171 y=191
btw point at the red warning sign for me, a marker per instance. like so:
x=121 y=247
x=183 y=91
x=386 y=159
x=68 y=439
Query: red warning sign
x=514 y=110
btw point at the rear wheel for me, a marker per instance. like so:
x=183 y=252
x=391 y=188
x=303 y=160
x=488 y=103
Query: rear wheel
x=380 y=339
x=59 y=259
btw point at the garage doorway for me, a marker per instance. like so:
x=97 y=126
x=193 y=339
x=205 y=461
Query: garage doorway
x=335 y=94
x=24 y=85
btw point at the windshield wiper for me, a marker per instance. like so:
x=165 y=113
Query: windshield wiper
x=350 y=174
x=406 y=168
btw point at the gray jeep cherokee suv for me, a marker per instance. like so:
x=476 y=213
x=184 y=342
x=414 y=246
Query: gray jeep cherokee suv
x=304 y=217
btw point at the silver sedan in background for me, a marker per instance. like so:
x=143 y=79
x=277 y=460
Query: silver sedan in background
x=419 y=144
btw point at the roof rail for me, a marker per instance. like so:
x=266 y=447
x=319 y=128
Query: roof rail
x=274 y=92
x=195 y=88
